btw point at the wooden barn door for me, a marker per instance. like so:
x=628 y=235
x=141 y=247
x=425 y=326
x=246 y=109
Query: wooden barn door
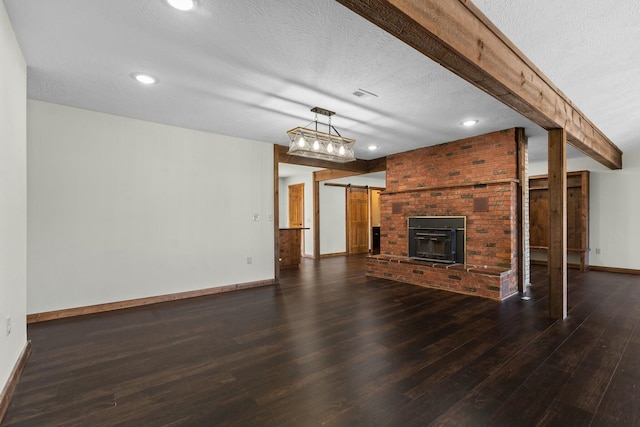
x=357 y=220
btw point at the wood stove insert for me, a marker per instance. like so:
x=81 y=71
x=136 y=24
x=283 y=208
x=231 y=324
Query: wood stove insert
x=437 y=239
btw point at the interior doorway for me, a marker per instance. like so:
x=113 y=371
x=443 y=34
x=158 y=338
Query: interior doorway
x=323 y=215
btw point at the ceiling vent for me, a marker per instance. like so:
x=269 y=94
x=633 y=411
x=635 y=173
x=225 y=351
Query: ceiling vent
x=364 y=94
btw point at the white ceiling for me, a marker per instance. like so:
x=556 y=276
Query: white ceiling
x=254 y=68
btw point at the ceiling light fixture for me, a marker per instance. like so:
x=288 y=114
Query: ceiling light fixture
x=315 y=144
x=468 y=123
x=145 y=79
x=182 y=4
x=373 y=147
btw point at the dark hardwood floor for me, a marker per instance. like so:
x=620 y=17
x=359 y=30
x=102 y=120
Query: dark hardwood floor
x=329 y=347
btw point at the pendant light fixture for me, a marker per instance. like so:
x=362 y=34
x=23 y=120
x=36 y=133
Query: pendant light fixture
x=316 y=144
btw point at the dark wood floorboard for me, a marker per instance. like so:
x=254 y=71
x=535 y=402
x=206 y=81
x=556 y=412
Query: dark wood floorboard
x=330 y=347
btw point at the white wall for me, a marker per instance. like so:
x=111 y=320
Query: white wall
x=333 y=229
x=122 y=209
x=614 y=206
x=13 y=198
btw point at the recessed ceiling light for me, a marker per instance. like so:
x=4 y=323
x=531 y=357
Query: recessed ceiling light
x=468 y=123
x=145 y=79
x=373 y=147
x=182 y=4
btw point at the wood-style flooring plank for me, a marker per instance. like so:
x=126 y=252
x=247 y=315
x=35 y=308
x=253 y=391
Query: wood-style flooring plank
x=619 y=405
x=330 y=347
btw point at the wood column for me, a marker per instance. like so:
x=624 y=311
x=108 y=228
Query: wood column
x=557 y=256
x=316 y=216
x=584 y=238
x=524 y=250
x=276 y=213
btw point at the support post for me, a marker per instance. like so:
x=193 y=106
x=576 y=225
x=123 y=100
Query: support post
x=276 y=214
x=524 y=251
x=316 y=216
x=557 y=255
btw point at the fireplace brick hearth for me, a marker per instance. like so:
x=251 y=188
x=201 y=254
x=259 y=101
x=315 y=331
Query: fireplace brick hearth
x=444 y=180
x=461 y=278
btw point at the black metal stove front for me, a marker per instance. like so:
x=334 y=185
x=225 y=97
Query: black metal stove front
x=438 y=239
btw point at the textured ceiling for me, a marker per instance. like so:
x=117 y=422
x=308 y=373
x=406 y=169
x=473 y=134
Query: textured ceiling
x=253 y=69
x=589 y=49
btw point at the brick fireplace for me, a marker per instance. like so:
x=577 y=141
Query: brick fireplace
x=474 y=178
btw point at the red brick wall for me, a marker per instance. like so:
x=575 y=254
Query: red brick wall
x=476 y=159
x=444 y=180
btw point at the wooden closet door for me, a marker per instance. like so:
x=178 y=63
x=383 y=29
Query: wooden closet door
x=296 y=206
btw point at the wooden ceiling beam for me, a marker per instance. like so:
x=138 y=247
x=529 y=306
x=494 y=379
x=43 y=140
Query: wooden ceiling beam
x=353 y=168
x=359 y=166
x=457 y=35
x=377 y=165
x=327 y=174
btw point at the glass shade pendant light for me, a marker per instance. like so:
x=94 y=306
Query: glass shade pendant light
x=326 y=145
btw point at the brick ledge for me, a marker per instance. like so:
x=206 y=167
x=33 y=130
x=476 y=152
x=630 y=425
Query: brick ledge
x=469 y=268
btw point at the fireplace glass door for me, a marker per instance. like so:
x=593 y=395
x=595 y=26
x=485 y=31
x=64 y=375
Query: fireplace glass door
x=437 y=239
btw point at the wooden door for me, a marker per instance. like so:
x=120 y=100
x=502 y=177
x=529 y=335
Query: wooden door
x=296 y=206
x=375 y=208
x=539 y=218
x=357 y=220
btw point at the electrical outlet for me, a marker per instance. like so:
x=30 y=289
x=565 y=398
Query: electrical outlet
x=8 y=325
x=249 y=260
x=256 y=217
x=597 y=251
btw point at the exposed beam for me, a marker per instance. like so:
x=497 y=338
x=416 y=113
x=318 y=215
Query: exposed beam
x=327 y=174
x=557 y=255
x=457 y=35
x=358 y=167
x=377 y=165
